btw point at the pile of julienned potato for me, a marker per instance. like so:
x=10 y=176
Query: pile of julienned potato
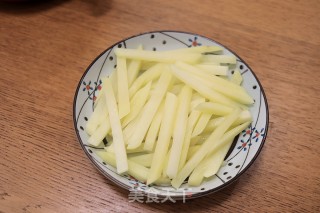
x=169 y=115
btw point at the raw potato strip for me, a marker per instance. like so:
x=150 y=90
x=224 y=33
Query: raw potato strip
x=222 y=86
x=197 y=175
x=205 y=148
x=100 y=94
x=96 y=118
x=209 y=63
x=192 y=150
x=118 y=142
x=195 y=96
x=244 y=116
x=216 y=158
x=100 y=133
x=192 y=120
x=123 y=91
x=222 y=59
x=114 y=80
x=134 y=68
x=213 y=69
x=199 y=139
x=199 y=49
x=236 y=77
x=130 y=128
x=201 y=87
x=201 y=125
x=145 y=65
x=214 y=108
x=144 y=159
x=214 y=161
x=137 y=103
x=194 y=103
x=162 y=57
x=137 y=171
x=166 y=129
x=176 y=89
x=179 y=131
x=165 y=162
x=150 y=110
x=153 y=130
x=110 y=149
x=149 y=75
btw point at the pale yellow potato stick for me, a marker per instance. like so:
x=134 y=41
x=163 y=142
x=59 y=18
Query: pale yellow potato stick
x=143 y=159
x=223 y=86
x=192 y=150
x=216 y=158
x=201 y=124
x=205 y=148
x=97 y=117
x=150 y=110
x=236 y=77
x=134 y=68
x=198 y=140
x=100 y=94
x=199 y=49
x=163 y=181
x=118 y=141
x=153 y=131
x=140 y=149
x=222 y=59
x=114 y=81
x=196 y=95
x=209 y=63
x=195 y=102
x=145 y=65
x=100 y=133
x=123 y=91
x=214 y=108
x=165 y=133
x=213 y=69
x=226 y=78
x=197 y=175
x=176 y=89
x=135 y=170
x=192 y=120
x=137 y=102
x=179 y=130
x=165 y=162
x=244 y=116
x=201 y=86
x=130 y=128
x=158 y=56
x=172 y=86
x=149 y=75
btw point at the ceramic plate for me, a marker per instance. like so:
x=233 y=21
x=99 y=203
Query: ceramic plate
x=242 y=154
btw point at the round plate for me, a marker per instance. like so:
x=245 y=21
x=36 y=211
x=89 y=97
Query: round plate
x=242 y=154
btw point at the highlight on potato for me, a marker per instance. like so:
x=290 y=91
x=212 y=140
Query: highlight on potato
x=169 y=115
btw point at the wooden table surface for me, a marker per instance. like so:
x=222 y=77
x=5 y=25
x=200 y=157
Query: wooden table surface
x=46 y=46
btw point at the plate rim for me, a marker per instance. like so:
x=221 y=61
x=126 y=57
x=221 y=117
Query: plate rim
x=175 y=197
